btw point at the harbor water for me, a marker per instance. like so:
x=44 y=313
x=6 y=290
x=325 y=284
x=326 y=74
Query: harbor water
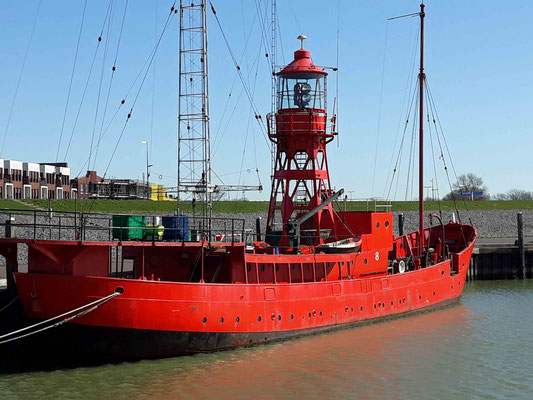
x=481 y=348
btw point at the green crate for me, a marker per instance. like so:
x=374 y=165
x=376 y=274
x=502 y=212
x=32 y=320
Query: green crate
x=121 y=222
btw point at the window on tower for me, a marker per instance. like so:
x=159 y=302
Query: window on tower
x=302 y=91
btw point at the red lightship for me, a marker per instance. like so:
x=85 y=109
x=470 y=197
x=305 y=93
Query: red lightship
x=317 y=270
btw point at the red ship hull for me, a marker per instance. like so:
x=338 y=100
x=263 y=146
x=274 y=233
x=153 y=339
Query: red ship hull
x=160 y=318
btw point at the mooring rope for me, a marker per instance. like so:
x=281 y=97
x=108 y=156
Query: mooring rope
x=83 y=310
x=8 y=304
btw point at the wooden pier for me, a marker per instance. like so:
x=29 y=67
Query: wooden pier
x=501 y=258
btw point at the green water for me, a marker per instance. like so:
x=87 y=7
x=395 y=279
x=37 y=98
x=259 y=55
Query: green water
x=479 y=349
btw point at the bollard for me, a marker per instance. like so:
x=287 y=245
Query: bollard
x=10 y=230
x=520 y=224
x=258 y=228
x=400 y=224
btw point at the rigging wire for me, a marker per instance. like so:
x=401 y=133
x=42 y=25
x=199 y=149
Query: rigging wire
x=380 y=106
x=249 y=117
x=20 y=78
x=99 y=41
x=434 y=110
x=173 y=10
x=280 y=36
x=241 y=77
x=431 y=139
x=262 y=25
x=408 y=89
x=113 y=69
x=106 y=46
x=216 y=137
x=295 y=17
x=216 y=145
x=411 y=155
x=71 y=80
x=153 y=88
x=400 y=149
x=337 y=72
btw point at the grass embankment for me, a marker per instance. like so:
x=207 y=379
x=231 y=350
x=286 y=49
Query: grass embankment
x=168 y=207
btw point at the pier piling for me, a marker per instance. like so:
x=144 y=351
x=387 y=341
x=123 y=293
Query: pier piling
x=521 y=251
x=258 y=228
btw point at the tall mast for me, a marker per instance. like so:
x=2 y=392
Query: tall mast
x=421 y=78
x=273 y=23
x=194 y=149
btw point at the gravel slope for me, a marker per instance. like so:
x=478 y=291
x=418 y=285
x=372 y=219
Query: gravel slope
x=489 y=223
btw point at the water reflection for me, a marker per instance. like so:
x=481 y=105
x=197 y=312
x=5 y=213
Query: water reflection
x=479 y=348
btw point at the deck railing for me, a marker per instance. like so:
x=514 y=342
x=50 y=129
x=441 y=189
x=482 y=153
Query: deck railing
x=69 y=226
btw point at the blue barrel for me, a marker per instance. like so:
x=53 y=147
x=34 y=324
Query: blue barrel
x=176 y=228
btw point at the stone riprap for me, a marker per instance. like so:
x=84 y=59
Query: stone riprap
x=489 y=223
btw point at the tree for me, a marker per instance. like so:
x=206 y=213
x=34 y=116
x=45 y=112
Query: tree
x=515 y=194
x=467 y=183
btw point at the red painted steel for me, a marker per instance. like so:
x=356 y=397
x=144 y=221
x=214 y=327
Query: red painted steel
x=301 y=178
x=203 y=296
x=253 y=307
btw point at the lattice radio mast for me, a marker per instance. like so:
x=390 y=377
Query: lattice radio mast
x=194 y=147
x=273 y=90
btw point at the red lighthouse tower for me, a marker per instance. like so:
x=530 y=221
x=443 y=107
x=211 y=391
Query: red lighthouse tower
x=301 y=181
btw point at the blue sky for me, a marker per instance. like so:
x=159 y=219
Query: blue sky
x=479 y=66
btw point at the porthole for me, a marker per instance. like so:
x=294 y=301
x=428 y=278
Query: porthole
x=392 y=303
x=292 y=316
x=273 y=316
x=377 y=224
x=365 y=261
x=320 y=313
x=309 y=315
x=259 y=318
x=374 y=306
x=361 y=308
x=433 y=293
x=279 y=317
x=204 y=320
x=442 y=273
x=351 y=310
x=346 y=309
x=237 y=319
x=419 y=297
x=400 y=301
x=452 y=287
x=386 y=224
x=221 y=320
